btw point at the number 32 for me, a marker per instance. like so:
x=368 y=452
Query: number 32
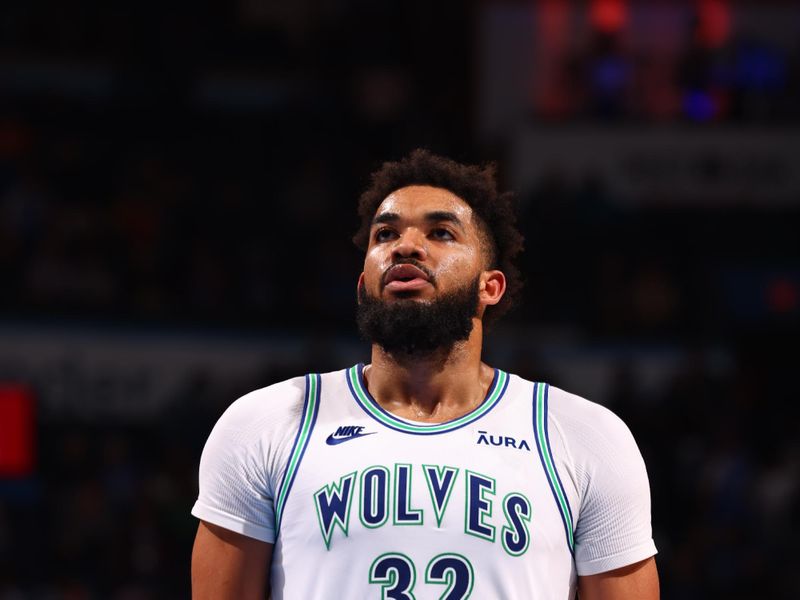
x=397 y=575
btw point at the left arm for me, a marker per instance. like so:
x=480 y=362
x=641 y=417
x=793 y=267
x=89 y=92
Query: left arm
x=613 y=535
x=639 y=581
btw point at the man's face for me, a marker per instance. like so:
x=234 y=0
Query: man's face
x=424 y=242
x=424 y=276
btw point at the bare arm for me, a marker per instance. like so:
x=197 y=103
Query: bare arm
x=639 y=581
x=228 y=565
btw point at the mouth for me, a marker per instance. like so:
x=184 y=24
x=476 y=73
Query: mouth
x=405 y=278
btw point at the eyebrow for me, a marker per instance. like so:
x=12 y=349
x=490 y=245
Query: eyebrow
x=434 y=217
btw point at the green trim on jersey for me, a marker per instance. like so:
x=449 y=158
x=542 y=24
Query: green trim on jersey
x=549 y=463
x=309 y=414
x=367 y=402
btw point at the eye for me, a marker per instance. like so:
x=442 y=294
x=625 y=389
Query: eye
x=384 y=234
x=442 y=234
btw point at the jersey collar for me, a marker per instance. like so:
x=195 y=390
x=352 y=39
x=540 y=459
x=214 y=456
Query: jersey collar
x=355 y=381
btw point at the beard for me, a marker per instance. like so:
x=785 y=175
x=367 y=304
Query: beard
x=418 y=328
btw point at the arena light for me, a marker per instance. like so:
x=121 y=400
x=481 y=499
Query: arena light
x=608 y=16
x=17 y=431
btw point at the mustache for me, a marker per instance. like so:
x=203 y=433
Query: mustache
x=414 y=263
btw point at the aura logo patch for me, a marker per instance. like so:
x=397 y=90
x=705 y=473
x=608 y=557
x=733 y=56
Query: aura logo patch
x=487 y=439
x=347 y=433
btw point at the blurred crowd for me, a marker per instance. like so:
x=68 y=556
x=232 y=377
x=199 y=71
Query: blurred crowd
x=202 y=168
x=160 y=169
x=198 y=230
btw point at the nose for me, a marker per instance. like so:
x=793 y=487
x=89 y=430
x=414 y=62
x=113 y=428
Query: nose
x=410 y=244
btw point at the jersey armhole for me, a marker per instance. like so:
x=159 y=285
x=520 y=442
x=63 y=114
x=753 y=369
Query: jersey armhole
x=542 y=437
x=313 y=389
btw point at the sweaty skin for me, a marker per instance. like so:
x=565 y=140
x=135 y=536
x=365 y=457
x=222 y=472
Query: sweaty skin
x=437 y=229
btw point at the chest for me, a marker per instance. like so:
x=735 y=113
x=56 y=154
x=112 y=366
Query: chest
x=364 y=479
x=385 y=507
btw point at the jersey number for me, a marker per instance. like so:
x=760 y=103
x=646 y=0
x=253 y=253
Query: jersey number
x=397 y=575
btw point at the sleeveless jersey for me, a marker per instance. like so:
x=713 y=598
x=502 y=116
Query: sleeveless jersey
x=363 y=504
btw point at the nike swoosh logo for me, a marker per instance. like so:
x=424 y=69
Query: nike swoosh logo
x=332 y=441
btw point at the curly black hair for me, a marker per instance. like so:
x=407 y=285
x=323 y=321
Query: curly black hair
x=477 y=186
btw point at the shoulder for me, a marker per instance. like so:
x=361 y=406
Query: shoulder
x=272 y=415
x=610 y=489
x=255 y=433
x=244 y=456
x=595 y=446
x=256 y=427
x=282 y=401
x=584 y=421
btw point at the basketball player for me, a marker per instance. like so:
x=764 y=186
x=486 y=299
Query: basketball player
x=426 y=473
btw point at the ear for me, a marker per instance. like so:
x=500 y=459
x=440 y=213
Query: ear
x=359 y=286
x=492 y=287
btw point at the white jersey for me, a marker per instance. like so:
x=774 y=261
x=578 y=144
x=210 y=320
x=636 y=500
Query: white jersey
x=512 y=500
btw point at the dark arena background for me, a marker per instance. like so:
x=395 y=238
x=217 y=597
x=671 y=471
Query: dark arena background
x=178 y=185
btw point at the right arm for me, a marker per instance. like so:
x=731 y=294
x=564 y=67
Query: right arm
x=229 y=566
x=244 y=457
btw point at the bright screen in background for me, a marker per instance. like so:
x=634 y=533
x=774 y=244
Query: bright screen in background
x=16 y=431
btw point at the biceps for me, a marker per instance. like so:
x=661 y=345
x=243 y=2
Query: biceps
x=227 y=565
x=639 y=580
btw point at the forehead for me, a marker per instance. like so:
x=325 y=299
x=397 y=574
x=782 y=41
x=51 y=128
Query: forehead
x=415 y=201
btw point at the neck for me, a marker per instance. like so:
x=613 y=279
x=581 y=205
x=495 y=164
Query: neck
x=434 y=387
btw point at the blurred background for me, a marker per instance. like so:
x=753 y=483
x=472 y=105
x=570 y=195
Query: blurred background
x=177 y=195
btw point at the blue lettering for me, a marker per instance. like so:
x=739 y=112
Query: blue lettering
x=404 y=514
x=333 y=507
x=478 y=506
x=502 y=440
x=374 y=491
x=518 y=514
x=348 y=430
x=440 y=484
